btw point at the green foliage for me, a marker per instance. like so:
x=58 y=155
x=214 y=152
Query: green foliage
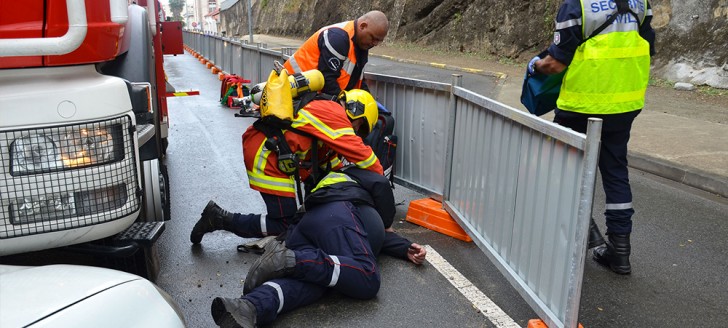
x=457 y=17
x=176 y=6
x=713 y=92
x=264 y=4
x=658 y=82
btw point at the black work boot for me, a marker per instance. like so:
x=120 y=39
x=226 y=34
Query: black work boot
x=615 y=254
x=277 y=261
x=233 y=313
x=213 y=218
x=595 y=237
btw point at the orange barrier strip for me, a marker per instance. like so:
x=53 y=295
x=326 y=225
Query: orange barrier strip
x=428 y=213
x=538 y=323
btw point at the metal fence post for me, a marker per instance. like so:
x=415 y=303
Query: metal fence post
x=260 y=62
x=457 y=81
x=284 y=54
x=588 y=179
x=242 y=60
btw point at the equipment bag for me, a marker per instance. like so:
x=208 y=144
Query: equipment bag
x=232 y=86
x=540 y=91
x=384 y=142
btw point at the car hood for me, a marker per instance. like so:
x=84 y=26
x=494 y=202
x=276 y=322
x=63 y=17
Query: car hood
x=28 y=294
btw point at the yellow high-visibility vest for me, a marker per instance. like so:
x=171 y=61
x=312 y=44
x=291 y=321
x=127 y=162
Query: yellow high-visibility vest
x=609 y=72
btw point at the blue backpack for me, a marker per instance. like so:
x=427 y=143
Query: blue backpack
x=384 y=142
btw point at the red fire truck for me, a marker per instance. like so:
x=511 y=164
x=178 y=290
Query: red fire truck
x=83 y=128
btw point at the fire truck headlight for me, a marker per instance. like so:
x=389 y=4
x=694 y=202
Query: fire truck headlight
x=62 y=149
x=34 y=153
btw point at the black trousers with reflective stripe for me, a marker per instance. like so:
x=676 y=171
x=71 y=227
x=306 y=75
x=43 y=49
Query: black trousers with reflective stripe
x=616 y=130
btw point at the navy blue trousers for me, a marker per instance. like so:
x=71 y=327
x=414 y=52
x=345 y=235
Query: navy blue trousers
x=612 y=164
x=332 y=251
x=280 y=212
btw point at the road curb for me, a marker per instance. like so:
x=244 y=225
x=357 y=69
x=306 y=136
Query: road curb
x=498 y=75
x=690 y=176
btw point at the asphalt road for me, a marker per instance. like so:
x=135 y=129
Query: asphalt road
x=679 y=243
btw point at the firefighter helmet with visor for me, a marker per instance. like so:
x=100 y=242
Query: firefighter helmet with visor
x=360 y=104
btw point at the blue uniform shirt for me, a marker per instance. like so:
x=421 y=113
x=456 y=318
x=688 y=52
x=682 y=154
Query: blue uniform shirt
x=568 y=32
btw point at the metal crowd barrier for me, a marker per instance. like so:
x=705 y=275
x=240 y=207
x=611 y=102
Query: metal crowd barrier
x=522 y=187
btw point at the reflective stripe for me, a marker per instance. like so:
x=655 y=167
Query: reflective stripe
x=294 y=64
x=331 y=179
x=367 y=162
x=304 y=117
x=335 y=161
x=263 y=225
x=261 y=158
x=257 y=176
x=611 y=53
x=599 y=98
x=330 y=47
x=623 y=206
x=337 y=271
x=348 y=66
x=279 y=290
x=271 y=183
x=568 y=23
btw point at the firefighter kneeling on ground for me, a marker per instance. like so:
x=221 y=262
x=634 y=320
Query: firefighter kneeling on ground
x=347 y=223
x=322 y=130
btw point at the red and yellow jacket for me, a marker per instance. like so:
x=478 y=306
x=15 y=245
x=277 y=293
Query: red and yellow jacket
x=323 y=119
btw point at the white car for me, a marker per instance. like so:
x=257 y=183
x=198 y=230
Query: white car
x=82 y=296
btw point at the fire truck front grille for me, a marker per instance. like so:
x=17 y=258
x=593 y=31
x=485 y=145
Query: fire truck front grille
x=66 y=177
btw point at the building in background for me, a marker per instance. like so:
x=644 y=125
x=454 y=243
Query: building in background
x=211 y=21
x=200 y=15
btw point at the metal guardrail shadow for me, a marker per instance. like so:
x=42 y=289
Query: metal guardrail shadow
x=522 y=187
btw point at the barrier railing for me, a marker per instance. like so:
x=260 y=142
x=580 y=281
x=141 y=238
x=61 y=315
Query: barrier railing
x=522 y=187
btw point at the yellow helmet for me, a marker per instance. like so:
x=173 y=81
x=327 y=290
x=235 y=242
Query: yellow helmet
x=359 y=103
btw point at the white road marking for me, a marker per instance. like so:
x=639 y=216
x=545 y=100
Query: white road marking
x=481 y=302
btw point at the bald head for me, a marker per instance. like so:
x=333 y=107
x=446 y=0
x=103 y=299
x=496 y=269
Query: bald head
x=371 y=29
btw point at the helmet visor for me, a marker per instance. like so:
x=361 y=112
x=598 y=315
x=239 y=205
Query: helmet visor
x=355 y=109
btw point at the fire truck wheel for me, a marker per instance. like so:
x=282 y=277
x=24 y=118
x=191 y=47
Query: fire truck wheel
x=156 y=194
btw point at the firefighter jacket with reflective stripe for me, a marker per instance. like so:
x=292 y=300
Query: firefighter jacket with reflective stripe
x=324 y=120
x=342 y=58
x=610 y=71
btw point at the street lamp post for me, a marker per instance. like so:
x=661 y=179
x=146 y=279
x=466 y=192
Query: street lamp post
x=250 y=21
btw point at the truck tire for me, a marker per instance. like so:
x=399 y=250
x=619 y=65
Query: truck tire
x=156 y=191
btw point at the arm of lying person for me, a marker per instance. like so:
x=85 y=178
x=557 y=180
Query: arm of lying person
x=399 y=247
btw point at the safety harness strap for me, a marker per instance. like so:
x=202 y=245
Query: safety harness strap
x=622 y=8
